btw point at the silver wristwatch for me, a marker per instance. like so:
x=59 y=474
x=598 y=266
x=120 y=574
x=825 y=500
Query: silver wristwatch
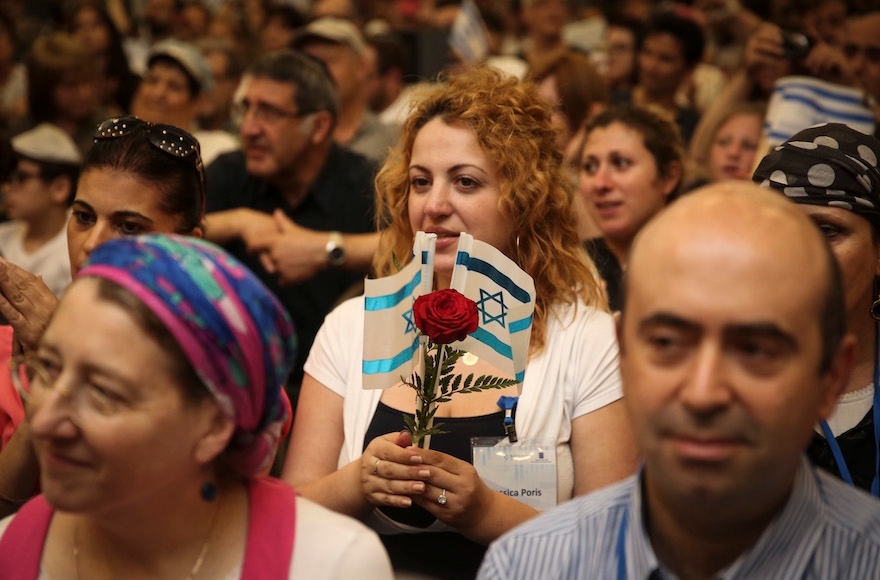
x=335 y=249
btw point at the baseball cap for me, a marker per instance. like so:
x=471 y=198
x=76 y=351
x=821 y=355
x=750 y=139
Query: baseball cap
x=188 y=57
x=46 y=143
x=331 y=29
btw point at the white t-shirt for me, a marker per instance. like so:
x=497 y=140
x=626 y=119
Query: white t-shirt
x=327 y=546
x=215 y=143
x=577 y=372
x=51 y=261
x=851 y=409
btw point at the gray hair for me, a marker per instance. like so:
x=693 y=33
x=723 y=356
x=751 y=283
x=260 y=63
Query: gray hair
x=315 y=89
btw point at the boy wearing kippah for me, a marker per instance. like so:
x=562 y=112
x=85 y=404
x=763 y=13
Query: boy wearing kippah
x=36 y=197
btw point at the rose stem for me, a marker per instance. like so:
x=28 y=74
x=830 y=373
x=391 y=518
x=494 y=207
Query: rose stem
x=426 y=442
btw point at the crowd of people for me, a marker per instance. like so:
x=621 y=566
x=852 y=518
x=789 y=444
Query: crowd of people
x=194 y=191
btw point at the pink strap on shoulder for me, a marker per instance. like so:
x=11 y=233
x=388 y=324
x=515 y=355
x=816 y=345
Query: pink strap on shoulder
x=271 y=528
x=21 y=548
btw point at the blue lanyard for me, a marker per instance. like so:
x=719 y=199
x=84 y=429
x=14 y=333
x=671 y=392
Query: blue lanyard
x=621 y=546
x=832 y=442
x=508 y=404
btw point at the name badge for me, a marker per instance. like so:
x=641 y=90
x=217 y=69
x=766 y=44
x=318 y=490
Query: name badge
x=525 y=471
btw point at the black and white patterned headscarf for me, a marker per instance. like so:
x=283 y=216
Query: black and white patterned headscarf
x=830 y=164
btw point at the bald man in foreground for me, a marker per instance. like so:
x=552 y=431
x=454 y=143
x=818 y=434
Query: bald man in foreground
x=732 y=347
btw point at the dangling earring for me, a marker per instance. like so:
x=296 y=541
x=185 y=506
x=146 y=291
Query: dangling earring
x=209 y=491
x=875 y=307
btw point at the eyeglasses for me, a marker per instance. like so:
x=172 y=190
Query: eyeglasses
x=32 y=376
x=18 y=177
x=265 y=113
x=872 y=53
x=167 y=138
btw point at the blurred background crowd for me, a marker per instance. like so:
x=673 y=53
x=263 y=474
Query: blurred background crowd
x=714 y=66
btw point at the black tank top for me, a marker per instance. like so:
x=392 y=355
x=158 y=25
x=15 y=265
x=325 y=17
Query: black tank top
x=443 y=555
x=456 y=442
x=858 y=449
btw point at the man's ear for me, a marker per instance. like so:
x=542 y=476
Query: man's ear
x=837 y=376
x=322 y=127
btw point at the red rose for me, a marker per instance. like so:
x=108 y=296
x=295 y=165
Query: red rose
x=445 y=316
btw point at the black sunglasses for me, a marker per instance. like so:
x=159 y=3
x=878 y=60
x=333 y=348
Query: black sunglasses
x=167 y=138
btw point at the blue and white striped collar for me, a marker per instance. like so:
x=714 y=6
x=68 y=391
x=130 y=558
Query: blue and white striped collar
x=784 y=549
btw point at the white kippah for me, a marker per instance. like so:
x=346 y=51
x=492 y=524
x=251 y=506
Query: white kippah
x=48 y=144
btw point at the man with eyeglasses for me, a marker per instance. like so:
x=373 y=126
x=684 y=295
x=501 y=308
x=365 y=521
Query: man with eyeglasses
x=293 y=205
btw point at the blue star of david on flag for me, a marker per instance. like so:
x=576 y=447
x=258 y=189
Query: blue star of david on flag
x=490 y=300
x=410 y=322
x=391 y=337
x=505 y=298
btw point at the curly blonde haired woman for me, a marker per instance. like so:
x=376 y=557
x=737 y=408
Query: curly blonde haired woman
x=476 y=155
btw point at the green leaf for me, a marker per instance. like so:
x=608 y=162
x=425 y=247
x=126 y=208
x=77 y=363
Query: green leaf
x=448 y=383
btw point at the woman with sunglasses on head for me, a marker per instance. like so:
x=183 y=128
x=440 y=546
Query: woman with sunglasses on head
x=154 y=399
x=831 y=172
x=137 y=178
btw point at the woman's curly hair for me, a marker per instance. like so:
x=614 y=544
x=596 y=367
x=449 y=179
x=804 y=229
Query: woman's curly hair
x=512 y=125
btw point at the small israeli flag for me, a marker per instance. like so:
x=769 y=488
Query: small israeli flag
x=391 y=342
x=468 y=36
x=505 y=297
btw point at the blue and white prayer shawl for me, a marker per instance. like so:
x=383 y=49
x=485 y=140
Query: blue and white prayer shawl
x=505 y=298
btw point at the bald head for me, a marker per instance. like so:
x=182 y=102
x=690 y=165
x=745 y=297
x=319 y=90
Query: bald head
x=741 y=228
x=733 y=211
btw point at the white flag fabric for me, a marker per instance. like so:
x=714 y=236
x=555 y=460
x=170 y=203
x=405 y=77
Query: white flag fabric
x=468 y=36
x=505 y=297
x=391 y=341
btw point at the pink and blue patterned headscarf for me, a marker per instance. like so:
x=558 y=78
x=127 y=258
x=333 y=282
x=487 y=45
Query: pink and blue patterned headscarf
x=235 y=333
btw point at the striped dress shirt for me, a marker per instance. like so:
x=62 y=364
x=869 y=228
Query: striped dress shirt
x=827 y=529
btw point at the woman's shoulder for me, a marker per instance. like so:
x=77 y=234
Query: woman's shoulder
x=348 y=314
x=350 y=307
x=332 y=545
x=568 y=317
x=317 y=518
